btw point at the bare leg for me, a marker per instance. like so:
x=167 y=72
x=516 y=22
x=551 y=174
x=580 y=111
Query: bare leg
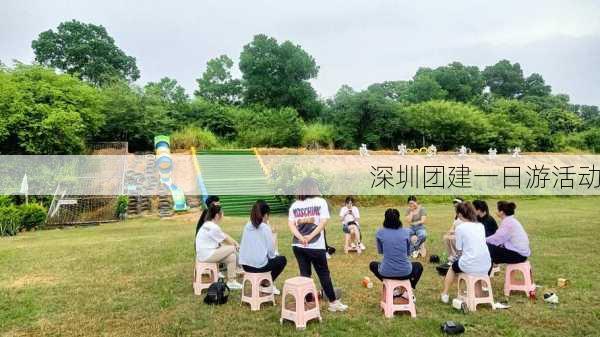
x=448 y=281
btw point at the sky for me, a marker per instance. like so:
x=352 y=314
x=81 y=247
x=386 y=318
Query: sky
x=354 y=42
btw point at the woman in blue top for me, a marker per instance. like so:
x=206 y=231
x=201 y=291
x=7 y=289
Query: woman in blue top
x=394 y=243
x=257 y=250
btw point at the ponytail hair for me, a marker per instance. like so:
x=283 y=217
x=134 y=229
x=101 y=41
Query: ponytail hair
x=467 y=211
x=209 y=202
x=507 y=207
x=213 y=211
x=259 y=210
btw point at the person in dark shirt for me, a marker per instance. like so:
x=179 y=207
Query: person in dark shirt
x=483 y=216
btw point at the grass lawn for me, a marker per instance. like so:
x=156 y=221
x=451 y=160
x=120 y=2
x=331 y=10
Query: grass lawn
x=134 y=279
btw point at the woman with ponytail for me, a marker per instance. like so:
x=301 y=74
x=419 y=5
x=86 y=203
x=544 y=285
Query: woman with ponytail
x=215 y=246
x=257 y=250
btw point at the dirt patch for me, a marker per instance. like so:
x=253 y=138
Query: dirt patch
x=32 y=280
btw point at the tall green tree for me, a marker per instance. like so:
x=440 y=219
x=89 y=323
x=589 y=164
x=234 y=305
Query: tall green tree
x=504 y=79
x=392 y=90
x=172 y=96
x=277 y=75
x=133 y=116
x=217 y=84
x=362 y=117
x=42 y=112
x=424 y=88
x=535 y=85
x=461 y=83
x=86 y=51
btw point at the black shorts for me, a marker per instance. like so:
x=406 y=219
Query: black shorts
x=456 y=267
x=346 y=226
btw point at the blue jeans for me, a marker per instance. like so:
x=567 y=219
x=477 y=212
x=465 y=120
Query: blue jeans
x=421 y=233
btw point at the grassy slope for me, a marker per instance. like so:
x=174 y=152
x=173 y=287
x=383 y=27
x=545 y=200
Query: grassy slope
x=134 y=279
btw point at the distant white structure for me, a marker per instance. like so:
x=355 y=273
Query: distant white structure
x=363 y=150
x=402 y=149
x=462 y=151
x=492 y=153
x=431 y=151
x=516 y=152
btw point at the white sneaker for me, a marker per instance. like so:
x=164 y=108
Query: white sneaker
x=362 y=246
x=415 y=254
x=234 y=285
x=328 y=256
x=337 y=306
x=445 y=298
x=270 y=290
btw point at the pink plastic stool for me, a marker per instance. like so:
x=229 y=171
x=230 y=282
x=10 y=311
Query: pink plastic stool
x=512 y=284
x=201 y=268
x=470 y=298
x=255 y=299
x=387 y=298
x=299 y=287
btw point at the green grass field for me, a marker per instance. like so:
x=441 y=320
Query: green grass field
x=134 y=279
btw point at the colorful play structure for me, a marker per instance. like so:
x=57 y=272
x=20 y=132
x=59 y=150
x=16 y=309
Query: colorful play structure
x=164 y=164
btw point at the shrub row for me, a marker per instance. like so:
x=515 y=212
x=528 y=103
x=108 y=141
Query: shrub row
x=14 y=219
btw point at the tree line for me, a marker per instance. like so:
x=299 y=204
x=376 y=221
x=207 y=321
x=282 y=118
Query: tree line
x=81 y=90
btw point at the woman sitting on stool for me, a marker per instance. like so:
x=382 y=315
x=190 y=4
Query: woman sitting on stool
x=393 y=242
x=474 y=257
x=510 y=243
x=257 y=250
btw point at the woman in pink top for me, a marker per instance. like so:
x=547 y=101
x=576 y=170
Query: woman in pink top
x=510 y=243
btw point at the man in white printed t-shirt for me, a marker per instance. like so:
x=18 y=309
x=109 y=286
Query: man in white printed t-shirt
x=307 y=218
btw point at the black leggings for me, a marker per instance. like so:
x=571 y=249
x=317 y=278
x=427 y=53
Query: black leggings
x=318 y=259
x=274 y=265
x=501 y=255
x=414 y=276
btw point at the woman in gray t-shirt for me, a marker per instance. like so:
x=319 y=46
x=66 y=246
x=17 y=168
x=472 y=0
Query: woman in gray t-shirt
x=416 y=217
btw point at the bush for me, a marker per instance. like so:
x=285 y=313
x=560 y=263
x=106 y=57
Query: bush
x=189 y=136
x=269 y=127
x=122 y=202
x=317 y=135
x=32 y=216
x=5 y=200
x=591 y=139
x=10 y=220
x=217 y=118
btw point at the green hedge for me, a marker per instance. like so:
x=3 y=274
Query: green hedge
x=24 y=217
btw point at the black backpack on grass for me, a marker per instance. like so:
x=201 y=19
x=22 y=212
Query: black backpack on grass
x=217 y=293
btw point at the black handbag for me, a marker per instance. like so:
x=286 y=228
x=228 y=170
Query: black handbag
x=217 y=293
x=452 y=328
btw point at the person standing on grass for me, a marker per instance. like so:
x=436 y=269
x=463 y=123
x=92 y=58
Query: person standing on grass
x=483 y=216
x=510 y=243
x=393 y=242
x=215 y=246
x=449 y=238
x=416 y=216
x=474 y=257
x=257 y=249
x=307 y=218
x=350 y=216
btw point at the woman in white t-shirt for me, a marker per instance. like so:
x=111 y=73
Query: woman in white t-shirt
x=307 y=218
x=215 y=246
x=474 y=256
x=350 y=216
